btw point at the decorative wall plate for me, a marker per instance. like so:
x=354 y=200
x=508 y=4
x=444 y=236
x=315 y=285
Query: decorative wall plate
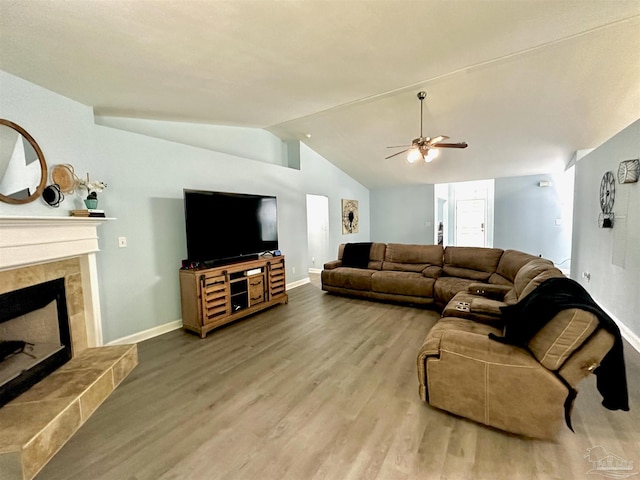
x=52 y=195
x=64 y=176
x=349 y=216
x=629 y=171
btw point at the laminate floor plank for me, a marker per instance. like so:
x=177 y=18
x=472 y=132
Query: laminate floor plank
x=323 y=388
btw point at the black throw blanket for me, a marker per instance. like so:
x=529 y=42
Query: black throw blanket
x=524 y=319
x=356 y=254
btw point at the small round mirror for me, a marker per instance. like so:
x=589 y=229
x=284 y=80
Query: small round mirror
x=23 y=170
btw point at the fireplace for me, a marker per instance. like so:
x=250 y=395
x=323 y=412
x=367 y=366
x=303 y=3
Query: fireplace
x=50 y=309
x=34 y=336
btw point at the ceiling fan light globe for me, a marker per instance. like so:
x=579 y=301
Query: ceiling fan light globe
x=431 y=155
x=414 y=155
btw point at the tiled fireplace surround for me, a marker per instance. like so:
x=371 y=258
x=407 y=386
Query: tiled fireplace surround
x=35 y=425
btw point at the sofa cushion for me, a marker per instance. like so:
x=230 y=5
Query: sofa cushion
x=564 y=334
x=538 y=279
x=432 y=271
x=404 y=267
x=490 y=290
x=376 y=257
x=474 y=307
x=402 y=283
x=473 y=263
x=451 y=326
x=348 y=277
x=411 y=258
x=447 y=287
x=497 y=279
x=510 y=263
x=528 y=272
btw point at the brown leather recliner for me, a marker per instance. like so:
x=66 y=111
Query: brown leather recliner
x=520 y=390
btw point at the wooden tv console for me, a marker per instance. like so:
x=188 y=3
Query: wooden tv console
x=212 y=297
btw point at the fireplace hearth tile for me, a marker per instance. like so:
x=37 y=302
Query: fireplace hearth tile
x=49 y=440
x=10 y=465
x=124 y=366
x=20 y=421
x=94 y=396
x=34 y=426
x=96 y=358
x=61 y=385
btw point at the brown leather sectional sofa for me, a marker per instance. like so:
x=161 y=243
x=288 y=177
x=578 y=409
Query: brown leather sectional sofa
x=526 y=389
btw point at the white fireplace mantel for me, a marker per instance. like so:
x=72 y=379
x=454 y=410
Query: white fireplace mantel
x=26 y=241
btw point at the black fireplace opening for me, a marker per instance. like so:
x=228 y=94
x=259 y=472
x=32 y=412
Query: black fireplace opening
x=35 y=338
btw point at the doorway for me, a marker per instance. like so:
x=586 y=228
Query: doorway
x=464 y=213
x=317 y=232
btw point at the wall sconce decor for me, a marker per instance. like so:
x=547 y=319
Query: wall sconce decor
x=629 y=171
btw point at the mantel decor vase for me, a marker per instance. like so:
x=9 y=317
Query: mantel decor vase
x=91 y=203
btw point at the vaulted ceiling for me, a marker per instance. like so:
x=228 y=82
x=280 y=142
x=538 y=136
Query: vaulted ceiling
x=526 y=83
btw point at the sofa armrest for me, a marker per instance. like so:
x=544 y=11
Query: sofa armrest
x=332 y=264
x=587 y=358
x=480 y=348
x=489 y=290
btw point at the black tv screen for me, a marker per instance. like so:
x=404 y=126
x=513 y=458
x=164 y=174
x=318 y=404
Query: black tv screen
x=226 y=226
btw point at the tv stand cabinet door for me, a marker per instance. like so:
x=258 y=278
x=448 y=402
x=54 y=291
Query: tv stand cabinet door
x=215 y=296
x=277 y=280
x=256 y=289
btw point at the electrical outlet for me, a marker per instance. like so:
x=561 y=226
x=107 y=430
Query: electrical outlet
x=293 y=269
x=122 y=242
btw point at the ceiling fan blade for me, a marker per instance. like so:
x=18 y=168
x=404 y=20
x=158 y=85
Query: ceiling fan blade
x=449 y=145
x=400 y=146
x=437 y=139
x=387 y=158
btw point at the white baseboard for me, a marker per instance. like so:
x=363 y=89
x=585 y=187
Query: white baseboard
x=175 y=325
x=625 y=331
x=298 y=283
x=629 y=336
x=147 y=334
x=315 y=270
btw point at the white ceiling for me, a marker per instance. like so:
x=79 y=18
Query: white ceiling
x=526 y=83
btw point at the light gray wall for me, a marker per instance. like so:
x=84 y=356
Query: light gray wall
x=321 y=177
x=247 y=143
x=403 y=214
x=610 y=256
x=145 y=176
x=525 y=215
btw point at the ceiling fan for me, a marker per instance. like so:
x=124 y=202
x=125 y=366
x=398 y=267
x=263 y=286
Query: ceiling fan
x=425 y=148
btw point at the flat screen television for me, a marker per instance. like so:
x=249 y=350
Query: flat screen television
x=225 y=227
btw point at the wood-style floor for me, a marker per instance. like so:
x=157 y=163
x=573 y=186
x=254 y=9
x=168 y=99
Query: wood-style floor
x=322 y=388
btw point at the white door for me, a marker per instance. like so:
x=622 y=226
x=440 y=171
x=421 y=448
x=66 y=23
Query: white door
x=471 y=221
x=317 y=231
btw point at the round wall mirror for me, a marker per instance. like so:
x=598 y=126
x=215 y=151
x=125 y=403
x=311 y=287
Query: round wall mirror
x=23 y=170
